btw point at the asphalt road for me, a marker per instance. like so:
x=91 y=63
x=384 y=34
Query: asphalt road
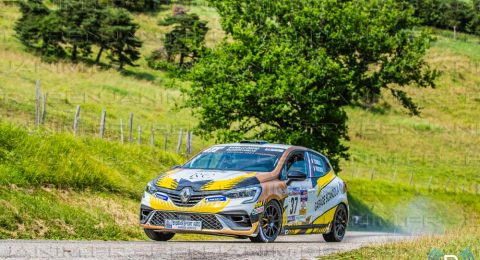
x=286 y=247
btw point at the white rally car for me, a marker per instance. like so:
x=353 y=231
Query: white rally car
x=249 y=189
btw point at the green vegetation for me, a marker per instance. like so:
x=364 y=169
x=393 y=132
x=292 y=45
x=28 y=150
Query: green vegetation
x=451 y=243
x=441 y=143
x=285 y=78
x=187 y=38
x=74 y=27
x=37 y=159
x=459 y=15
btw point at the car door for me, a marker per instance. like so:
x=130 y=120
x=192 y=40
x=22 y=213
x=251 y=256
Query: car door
x=326 y=189
x=299 y=192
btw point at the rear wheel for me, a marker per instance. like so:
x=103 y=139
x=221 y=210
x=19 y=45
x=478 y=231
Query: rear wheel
x=158 y=236
x=270 y=224
x=339 y=225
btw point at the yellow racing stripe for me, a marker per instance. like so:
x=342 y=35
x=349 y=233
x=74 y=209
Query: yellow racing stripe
x=166 y=181
x=226 y=184
x=323 y=181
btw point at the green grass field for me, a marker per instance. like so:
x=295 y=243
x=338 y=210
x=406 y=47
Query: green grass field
x=402 y=168
x=451 y=243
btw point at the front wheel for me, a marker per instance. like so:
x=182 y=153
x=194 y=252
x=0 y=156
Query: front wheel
x=158 y=236
x=270 y=224
x=339 y=225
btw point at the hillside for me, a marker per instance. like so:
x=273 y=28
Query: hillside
x=403 y=169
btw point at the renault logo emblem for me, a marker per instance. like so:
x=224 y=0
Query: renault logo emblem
x=185 y=194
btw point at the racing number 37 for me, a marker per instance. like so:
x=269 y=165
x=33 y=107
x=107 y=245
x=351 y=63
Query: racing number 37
x=294 y=203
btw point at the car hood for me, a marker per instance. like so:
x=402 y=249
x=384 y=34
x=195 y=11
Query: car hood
x=205 y=180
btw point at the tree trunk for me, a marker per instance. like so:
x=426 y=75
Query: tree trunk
x=181 y=59
x=74 y=52
x=99 y=55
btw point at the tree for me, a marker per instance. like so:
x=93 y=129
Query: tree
x=474 y=24
x=80 y=23
x=289 y=68
x=136 y=5
x=38 y=28
x=187 y=38
x=26 y=27
x=118 y=36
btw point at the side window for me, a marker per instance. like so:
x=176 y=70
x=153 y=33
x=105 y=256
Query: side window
x=295 y=162
x=319 y=164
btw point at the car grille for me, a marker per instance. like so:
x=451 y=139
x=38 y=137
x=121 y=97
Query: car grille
x=194 y=199
x=209 y=221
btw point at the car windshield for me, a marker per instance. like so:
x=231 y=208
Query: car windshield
x=237 y=158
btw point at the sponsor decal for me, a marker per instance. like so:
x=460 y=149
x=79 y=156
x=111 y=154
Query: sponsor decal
x=324 y=199
x=303 y=208
x=303 y=195
x=301 y=219
x=290 y=218
x=278 y=150
x=258 y=204
x=216 y=198
x=293 y=190
x=202 y=175
x=315 y=161
x=259 y=210
x=161 y=196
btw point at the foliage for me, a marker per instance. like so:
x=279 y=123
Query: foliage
x=187 y=38
x=79 y=23
x=292 y=67
x=448 y=14
x=36 y=28
x=118 y=32
x=75 y=27
x=136 y=5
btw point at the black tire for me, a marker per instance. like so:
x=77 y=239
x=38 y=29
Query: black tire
x=339 y=225
x=270 y=224
x=158 y=236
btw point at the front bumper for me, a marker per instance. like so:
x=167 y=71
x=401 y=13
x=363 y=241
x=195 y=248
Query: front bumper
x=230 y=217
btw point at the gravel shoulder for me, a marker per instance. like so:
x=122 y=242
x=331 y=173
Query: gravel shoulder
x=286 y=247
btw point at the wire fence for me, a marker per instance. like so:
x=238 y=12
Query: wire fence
x=81 y=123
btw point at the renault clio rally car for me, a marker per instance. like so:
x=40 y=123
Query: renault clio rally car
x=249 y=189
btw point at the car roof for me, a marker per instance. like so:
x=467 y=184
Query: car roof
x=281 y=146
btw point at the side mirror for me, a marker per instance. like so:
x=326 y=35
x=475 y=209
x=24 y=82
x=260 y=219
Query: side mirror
x=295 y=176
x=176 y=167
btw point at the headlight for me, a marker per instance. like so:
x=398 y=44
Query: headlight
x=250 y=193
x=151 y=188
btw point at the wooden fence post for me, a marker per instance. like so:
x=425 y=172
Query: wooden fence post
x=152 y=137
x=372 y=175
x=37 y=103
x=411 y=178
x=44 y=108
x=75 y=120
x=180 y=136
x=102 y=123
x=394 y=175
x=139 y=140
x=429 y=182
x=130 y=128
x=121 y=131
x=165 y=141
x=189 y=142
